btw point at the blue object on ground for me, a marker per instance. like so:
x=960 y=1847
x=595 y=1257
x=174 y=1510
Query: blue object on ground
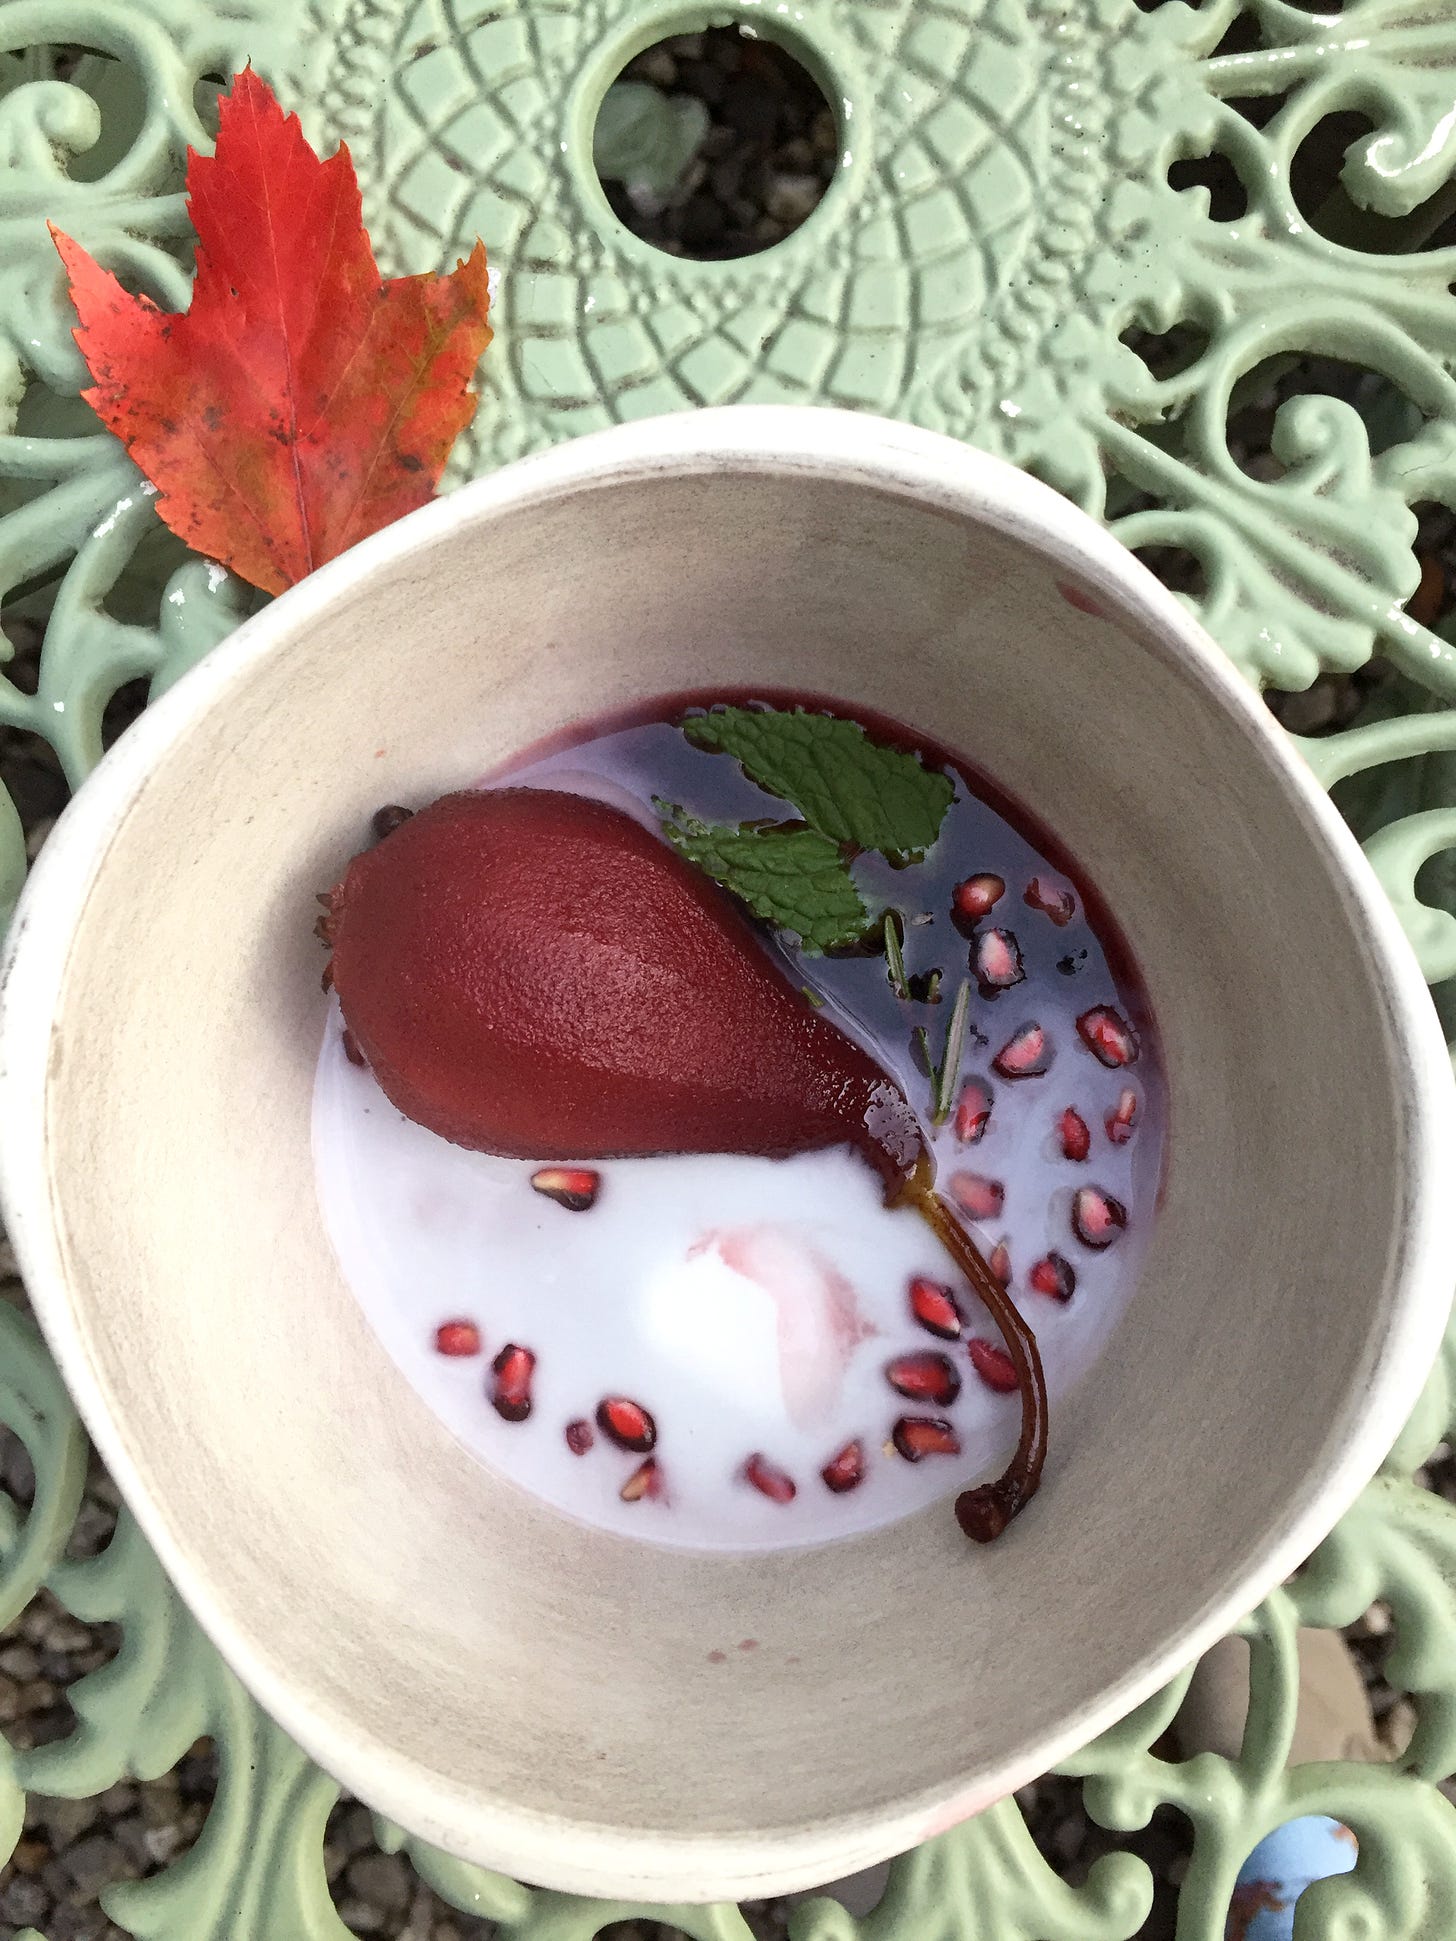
x=1279 y=1869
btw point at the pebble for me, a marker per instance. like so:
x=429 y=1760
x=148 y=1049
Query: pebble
x=35 y=781
x=1398 y=1727
x=56 y=1880
x=82 y=1924
x=382 y=1879
x=360 y=1916
x=726 y=178
x=133 y=1839
x=161 y=1801
x=659 y=66
x=35 y=836
x=352 y=1827
x=92 y=1530
x=24 y=1901
x=162 y=1843
x=63 y=1820
x=95 y=1861
x=17 y=1475
x=751 y=108
x=793 y=197
x=29 y=1856
x=65 y=1633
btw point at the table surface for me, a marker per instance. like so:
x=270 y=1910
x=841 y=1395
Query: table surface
x=1002 y=255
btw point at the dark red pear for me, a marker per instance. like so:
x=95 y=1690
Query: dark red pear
x=536 y=974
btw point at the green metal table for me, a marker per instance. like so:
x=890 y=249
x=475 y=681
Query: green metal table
x=1082 y=233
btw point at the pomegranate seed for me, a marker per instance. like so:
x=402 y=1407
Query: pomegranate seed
x=934 y=1307
x=511 y=1394
x=998 y=962
x=645 y=1480
x=918 y=1436
x=1108 y=1036
x=1000 y=1263
x=627 y=1424
x=1058 y=904
x=579 y=1437
x=457 y=1338
x=1054 y=1277
x=1076 y=1139
x=1097 y=1219
x=1025 y=1054
x=351 y=1049
x=927 y=1377
x=982 y=1198
x=973 y=1114
x=846 y=1470
x=773 y=1483
x=574 y=1187
x=977 y=897
x=994 y=1366
x=1120 y=1122
x=386 y=820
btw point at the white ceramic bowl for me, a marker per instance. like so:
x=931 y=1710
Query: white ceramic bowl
x=507 y=1684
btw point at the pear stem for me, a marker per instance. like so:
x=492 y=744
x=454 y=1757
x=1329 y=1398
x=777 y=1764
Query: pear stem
x=984 y=1512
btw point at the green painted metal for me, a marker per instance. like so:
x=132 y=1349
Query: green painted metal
x=1002 y=219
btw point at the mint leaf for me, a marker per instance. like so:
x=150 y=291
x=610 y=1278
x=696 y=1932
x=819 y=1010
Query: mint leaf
x=793 y=878
x=843 y=784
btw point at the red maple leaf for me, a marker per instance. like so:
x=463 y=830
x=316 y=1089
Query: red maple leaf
x=300 y=403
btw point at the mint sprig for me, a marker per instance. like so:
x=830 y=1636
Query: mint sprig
x=847 y=787
x=792 y=877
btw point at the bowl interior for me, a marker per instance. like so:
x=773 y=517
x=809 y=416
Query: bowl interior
x=525 y=1690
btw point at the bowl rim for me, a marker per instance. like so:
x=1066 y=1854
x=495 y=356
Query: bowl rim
x=927 y=468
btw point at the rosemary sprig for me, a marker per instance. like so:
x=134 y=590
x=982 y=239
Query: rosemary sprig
x=895 y=956
x=945 y=1075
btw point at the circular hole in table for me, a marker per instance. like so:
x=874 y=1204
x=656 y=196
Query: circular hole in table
x=716 y=145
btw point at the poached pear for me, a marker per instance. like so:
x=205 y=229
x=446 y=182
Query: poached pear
x=536 y=974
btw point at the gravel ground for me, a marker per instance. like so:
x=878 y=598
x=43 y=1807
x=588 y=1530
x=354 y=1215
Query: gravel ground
x=767 y=158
